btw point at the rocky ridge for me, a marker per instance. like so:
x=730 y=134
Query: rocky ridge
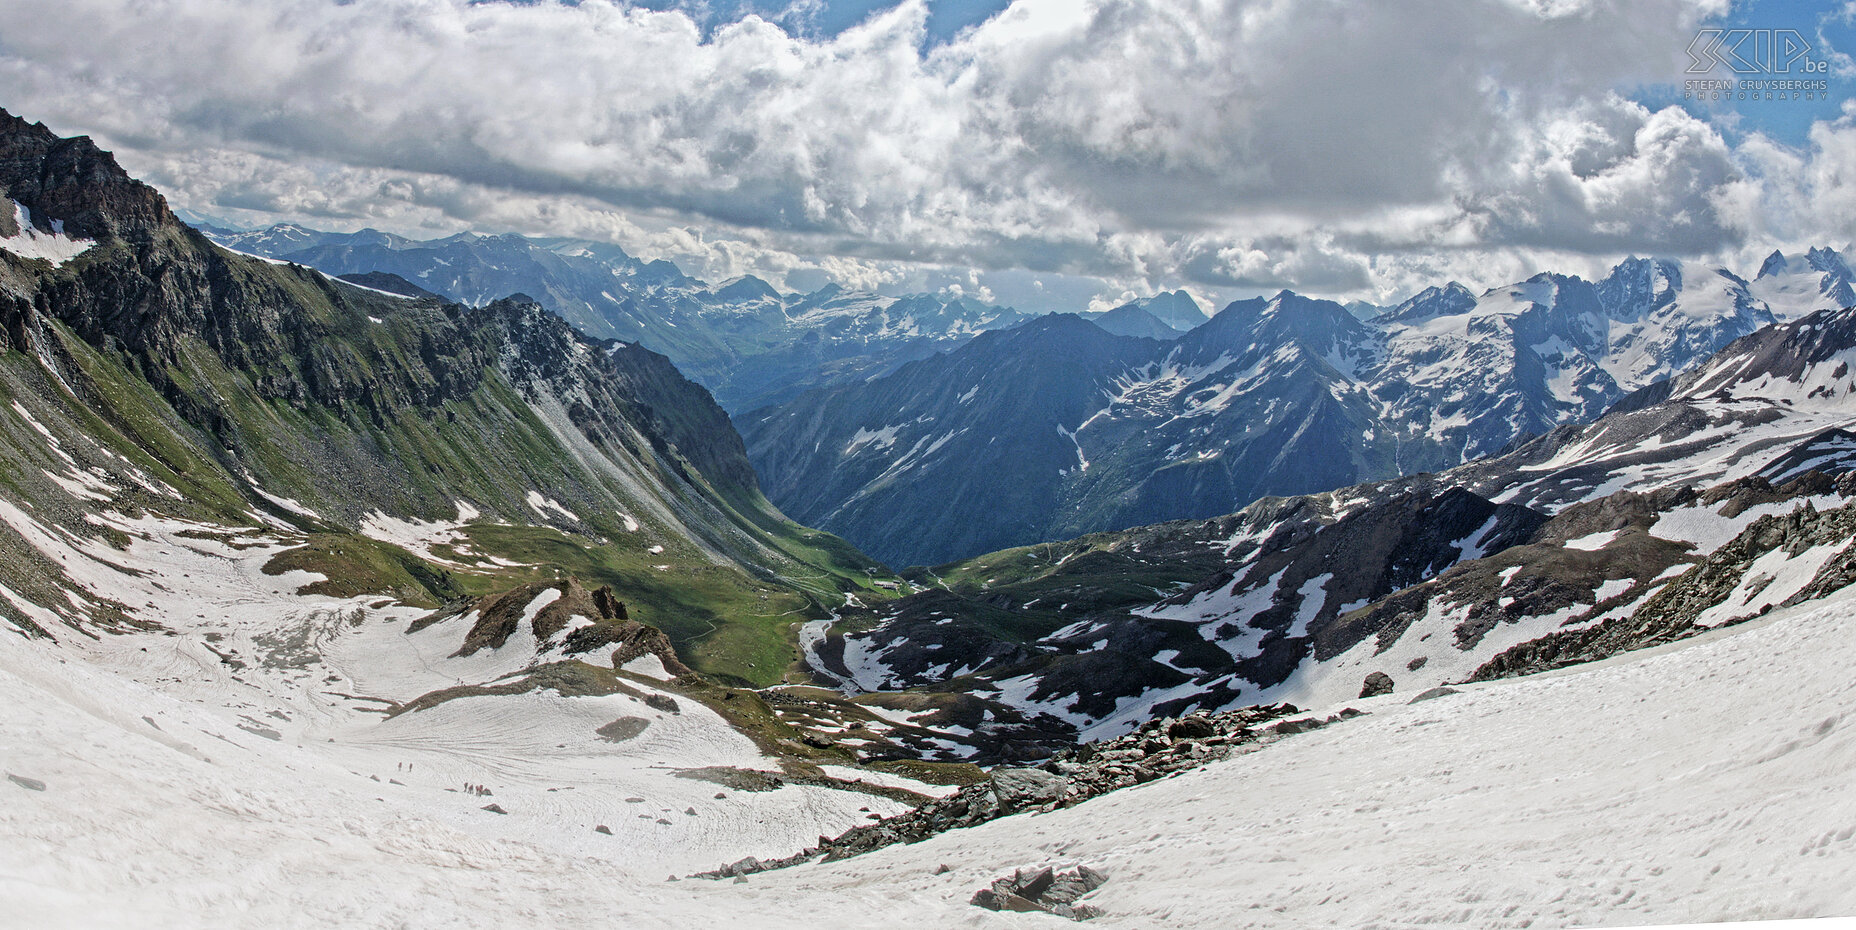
x=1156 y=750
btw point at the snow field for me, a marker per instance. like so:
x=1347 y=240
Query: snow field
x=1582 y=798
x=267 y=693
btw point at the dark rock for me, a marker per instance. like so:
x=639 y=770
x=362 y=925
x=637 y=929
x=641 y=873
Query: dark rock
x=1292 y=727
x=30 y=784
x=1045 y=890
x=1376 y=684
x=996 y=901
x=495 y=808
x=1074 y=776
x=1436 y=692
x=602 y=828
x=663 y=702
x=622 y=729
x=1194 y=727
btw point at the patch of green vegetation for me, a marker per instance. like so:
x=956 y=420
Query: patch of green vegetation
x=572 y=678
x=748 y=712
x=723 y=622
x=934 y=773
x=354 y=565
x=125 y=414
x=1027 y=592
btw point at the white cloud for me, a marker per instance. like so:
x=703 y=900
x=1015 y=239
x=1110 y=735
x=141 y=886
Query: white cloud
x=1335 y=146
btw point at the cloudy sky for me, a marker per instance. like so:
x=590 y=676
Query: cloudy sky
x=1043 y=153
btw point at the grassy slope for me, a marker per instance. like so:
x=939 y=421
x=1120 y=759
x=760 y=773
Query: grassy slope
x=487 y=447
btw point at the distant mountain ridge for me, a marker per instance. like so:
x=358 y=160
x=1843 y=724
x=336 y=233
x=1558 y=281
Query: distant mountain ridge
x=744 y=340
x=1697 y=502
x=1284 y=395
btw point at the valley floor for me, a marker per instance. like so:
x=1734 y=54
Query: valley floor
x=1707 y=781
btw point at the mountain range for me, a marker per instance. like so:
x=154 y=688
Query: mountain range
x=749 y=344
x=1272 y=396
x=1699 y=501
x=344 y=592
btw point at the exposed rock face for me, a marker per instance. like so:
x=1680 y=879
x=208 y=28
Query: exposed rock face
x=73 y=181
x=571 y=619
x=1016 y=789
x=1724 y=588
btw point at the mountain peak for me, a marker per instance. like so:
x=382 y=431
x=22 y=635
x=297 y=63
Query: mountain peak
x=746 y=288
x=1828 y=261
x=1774 y=264
x=1452 y=299
x=1132 y=320
x=1638 y=286
x=1174 y=308
x=71 y=181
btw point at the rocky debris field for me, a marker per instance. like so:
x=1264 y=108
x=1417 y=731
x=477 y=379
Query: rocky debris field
x=1157 y=749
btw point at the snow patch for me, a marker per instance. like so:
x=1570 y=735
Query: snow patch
x=29 y=242
x=542 y=505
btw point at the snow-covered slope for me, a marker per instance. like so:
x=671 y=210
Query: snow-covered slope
x=1795 y=285
x=234 y=671
x=1669 y=322
x=1516 y=361
x=1578 y=799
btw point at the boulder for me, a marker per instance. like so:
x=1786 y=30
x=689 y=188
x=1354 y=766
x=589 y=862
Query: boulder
x=1045 y=890
x=1376 y=684
x=1020 y=788
x=1193 y=727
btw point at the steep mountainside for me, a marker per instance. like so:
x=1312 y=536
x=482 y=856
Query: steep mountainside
x=904 y=477
x=406 y=445
x=745 y=341
x=1057 y=428
x=1130 y=320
